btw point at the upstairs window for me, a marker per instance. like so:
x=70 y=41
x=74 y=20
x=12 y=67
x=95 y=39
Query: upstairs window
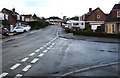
x=18 y=17
x=75 y=24
x=118 y=14
x=1 y=16
x=23 y=18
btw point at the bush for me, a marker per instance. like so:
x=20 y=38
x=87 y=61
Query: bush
x=88 y=28
x=96 y=34
x=100 y=29
x=38 y=24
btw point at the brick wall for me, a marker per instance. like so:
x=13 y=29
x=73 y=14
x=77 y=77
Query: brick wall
x=12 y=20
x=93 y=16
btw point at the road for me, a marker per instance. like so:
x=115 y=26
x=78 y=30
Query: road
x=51 y=52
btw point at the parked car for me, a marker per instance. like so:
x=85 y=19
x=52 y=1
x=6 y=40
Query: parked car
x=21 y=29
x=4 y=31
x=27 y=27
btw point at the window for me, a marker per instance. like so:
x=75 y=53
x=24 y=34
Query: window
x=7 y=17
x=106 y=28
x=98 y=16
x=23 y=18
x=18 y=17
x=1 y=16
x=82 y=23
x=75 y=23
x=118 y=14
x=113 y=28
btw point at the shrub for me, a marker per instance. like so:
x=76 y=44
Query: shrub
x=100 y=29
x=88 y=28
x=96 y=34
x=38 y=24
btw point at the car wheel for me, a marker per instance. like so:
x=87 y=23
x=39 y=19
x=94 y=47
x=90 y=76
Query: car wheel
x=25 y=31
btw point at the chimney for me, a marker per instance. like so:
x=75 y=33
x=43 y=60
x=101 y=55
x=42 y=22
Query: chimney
x=13 y=10
x=90 y=9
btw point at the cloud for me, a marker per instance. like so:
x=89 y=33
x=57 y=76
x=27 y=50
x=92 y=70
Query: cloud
x=48 y=8
x=36 y=3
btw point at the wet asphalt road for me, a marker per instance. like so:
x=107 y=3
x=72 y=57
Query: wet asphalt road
x=52 y=52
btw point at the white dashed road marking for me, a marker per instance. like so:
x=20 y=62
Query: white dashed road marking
x=26 y=68
x=35 y=60
x=48 y=48
x=3 y=75
x=47 y=43
x=41 y=48
x=18 y=76
x=44 y=45
x=45 y=51
x=32 y=54
x=15 y=66
x=53 y=44
x=25 y=59
x=37 y=50
x=40 y=55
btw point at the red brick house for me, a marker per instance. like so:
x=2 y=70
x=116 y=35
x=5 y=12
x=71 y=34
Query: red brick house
x=94 y=17
x=30 y=18
x=11 y=17
x=112 y=23
x=4 y=20
x=14 y=18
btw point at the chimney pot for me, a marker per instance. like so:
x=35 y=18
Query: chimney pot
x=90 y=9
x=13 y=9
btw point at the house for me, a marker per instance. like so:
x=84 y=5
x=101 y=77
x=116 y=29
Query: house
x=11 y=18
x=36 y=18
x=14 y=18
x=112 y=23
x=94 y=17
x=30 y=18
x=4 y=20
x=54 y=20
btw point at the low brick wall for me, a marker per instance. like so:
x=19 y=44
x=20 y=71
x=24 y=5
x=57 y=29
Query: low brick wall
x=96 y=34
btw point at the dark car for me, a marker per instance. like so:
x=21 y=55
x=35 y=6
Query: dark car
x=4 y=31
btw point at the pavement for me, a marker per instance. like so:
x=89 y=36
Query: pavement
x=63 y=34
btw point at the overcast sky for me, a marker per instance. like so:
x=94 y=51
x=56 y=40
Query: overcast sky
x=47 y=8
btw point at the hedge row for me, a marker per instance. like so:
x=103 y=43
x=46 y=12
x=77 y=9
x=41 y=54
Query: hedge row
x=96 y=34
x=38 y=24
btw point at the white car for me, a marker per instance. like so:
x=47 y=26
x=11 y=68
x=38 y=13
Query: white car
x=27 y=27
x=21 y=29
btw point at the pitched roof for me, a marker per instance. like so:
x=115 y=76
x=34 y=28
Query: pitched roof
x=91 y=12
x=110 y=18
x=9 y=11
x=27 y=16
x=75 y=18
x=116 y=7
x=53 y=18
